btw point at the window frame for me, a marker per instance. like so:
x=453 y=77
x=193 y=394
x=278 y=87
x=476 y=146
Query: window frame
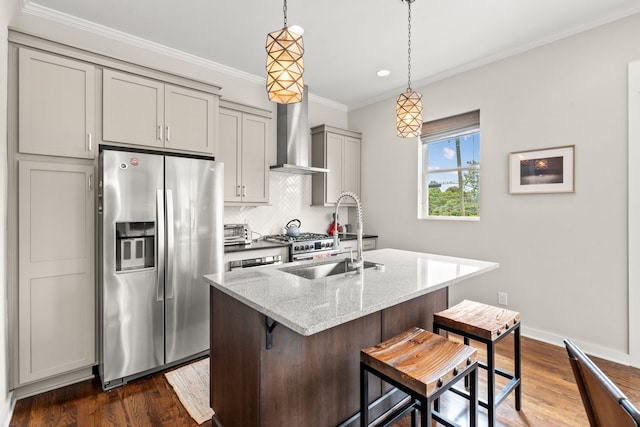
x=441 y=130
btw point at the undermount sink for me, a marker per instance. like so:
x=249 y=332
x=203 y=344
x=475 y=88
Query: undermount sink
x=322 y=269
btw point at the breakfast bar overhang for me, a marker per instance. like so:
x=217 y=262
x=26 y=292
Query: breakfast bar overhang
x=285 y=349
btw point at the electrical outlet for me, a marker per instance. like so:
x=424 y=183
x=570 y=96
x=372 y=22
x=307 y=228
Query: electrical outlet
x=502 y=298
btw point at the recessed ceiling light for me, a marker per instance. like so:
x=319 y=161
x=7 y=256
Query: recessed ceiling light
x=383 y=73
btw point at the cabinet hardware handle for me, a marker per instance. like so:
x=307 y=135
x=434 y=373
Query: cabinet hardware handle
x=244 y=191
x=168 y=133
x=160 y=132
x=90 y=137
x=237 y=190
x=90 y=182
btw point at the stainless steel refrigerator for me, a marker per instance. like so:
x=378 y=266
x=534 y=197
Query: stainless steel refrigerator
x=160 y=231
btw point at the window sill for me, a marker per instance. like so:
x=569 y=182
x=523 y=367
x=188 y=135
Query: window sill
x=452 y=218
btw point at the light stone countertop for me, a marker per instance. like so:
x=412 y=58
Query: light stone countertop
x=309 y=306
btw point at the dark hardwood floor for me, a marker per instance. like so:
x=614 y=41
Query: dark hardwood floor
x=549 y=397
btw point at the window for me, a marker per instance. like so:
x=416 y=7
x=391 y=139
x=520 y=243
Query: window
x=449 y=184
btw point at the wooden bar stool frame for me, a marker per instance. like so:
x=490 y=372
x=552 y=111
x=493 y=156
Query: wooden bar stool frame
x=515 y=380
x=418 y=401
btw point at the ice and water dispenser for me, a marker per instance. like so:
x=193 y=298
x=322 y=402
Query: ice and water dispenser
x=135 y=245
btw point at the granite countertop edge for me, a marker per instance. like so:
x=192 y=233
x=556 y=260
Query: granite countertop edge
x=306 y=327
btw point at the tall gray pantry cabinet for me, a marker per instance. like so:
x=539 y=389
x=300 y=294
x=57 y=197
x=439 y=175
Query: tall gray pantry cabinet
x=56 y=228
x=56 y=117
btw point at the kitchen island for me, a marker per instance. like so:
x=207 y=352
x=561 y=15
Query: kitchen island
x=285 y=349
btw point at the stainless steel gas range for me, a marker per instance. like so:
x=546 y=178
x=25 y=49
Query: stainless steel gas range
x=306 y=245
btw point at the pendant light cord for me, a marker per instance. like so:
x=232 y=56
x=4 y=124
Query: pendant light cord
x=284 y=10
x=409 y=49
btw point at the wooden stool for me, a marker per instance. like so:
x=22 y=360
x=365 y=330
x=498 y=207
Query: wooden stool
x=488 y=325
x=423 y=365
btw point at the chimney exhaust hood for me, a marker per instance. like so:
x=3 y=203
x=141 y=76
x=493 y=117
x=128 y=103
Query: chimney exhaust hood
x=294 y=139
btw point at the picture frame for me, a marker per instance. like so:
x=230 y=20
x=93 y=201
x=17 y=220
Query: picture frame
x=546 y=170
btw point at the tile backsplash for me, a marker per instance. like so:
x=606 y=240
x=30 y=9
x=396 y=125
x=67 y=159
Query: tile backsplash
x=290 y=196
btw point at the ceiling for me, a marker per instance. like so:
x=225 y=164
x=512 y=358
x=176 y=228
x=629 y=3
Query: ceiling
x=348 y=41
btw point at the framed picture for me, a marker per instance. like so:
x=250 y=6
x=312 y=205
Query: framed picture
x=549 y=170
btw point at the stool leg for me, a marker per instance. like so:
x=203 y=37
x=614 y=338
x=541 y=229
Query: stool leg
x=466 y=379
x=473 y=399
x=491 y=384
x=516 y=357
x=414 y=418
x=436 y=403
x=425 y=412
x=364 y=397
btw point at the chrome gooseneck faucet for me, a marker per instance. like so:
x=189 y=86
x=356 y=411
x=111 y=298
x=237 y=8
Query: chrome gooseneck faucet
x=358 y=263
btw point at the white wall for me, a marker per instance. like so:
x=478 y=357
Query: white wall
x=634 y=212
x=7 y=11
x=563 y=257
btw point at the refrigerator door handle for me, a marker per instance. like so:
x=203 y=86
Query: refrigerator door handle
x=170 y=245
x=160 y=231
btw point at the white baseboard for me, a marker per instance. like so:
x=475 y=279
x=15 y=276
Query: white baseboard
x=590 y=349
x=5 y=416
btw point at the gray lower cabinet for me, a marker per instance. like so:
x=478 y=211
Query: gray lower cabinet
x=142 y=111
x=56 y=286
x=56 y=105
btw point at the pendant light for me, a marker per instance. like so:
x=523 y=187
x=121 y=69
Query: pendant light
x=284 y=64
x=409 y=103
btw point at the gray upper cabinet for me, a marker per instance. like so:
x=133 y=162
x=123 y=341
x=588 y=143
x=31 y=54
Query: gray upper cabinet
x=56 y=105
x=132 y=109
x=339 y=151
x=245 y=149
x=56 y=289
x=189 y=119
x=142 y=111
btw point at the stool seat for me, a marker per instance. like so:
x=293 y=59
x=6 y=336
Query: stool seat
x=423 y=365
x=474 y=318
x=420 y=359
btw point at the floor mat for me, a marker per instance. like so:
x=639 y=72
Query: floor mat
x=191 y=384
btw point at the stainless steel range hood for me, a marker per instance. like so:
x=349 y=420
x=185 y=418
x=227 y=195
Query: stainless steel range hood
x=294 y=139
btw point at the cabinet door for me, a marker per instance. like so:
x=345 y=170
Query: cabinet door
x=334 y=164
x=56 y=289
x=255 y=170
x=230 y=132
x=189 y=118
x=351 y=164
x=132 y=110
x=56 y=105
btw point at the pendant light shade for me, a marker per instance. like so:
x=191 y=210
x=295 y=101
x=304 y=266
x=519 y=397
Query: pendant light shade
x=285 y=65
x=409 y=114
x=409 y=103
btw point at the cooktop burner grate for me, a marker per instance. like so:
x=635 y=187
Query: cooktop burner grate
x=303 y=237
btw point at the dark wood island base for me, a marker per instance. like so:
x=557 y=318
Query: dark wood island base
x=301 y=380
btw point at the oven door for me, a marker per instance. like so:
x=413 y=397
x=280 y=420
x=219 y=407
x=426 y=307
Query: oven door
x=255 y=262
x=313 y=255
